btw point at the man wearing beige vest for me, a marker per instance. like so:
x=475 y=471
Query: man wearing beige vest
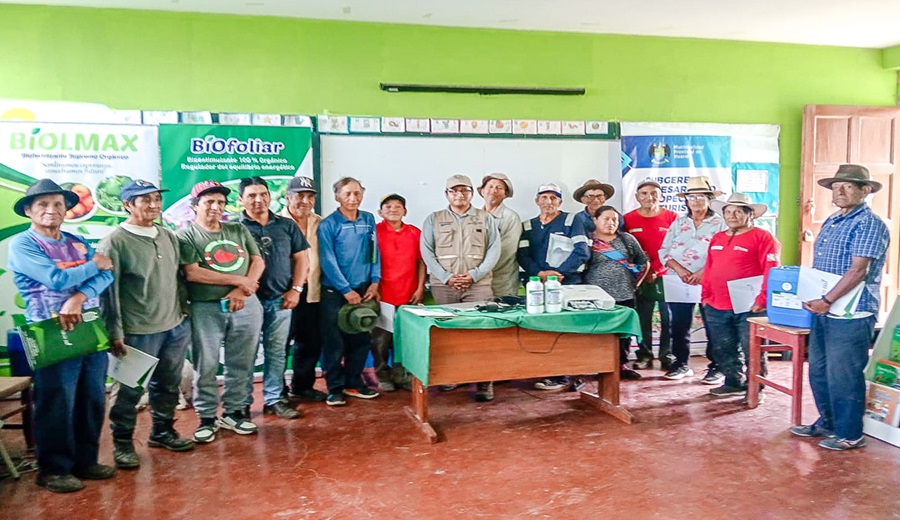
x=460 y=246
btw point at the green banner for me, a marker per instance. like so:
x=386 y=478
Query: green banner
x=193 y=153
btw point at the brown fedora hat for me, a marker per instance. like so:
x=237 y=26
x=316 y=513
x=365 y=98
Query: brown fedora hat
x=851 y=173
x=594 y=184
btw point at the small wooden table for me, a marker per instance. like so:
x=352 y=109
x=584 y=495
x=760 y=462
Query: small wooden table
x=10 y=386
x=791 y=339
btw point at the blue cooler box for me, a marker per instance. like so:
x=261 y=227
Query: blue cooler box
x=782 y=305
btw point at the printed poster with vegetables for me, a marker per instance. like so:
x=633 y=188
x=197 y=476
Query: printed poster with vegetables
x=93 y=160
x=192 y=153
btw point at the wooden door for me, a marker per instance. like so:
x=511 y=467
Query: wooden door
x=835 y=135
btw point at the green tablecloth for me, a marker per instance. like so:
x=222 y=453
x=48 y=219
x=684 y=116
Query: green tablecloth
x=412 y=333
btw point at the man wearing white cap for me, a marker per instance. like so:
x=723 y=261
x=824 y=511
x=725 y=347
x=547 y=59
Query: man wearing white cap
x=495 y=188
x=460 y=246
x=554 y=243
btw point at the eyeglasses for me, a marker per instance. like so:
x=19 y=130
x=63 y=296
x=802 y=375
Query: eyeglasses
x=695 y=197
x=594 y=197
x=462 y=192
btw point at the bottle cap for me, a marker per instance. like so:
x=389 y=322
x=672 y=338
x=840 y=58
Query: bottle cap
x=534 y=279
x=551 y=278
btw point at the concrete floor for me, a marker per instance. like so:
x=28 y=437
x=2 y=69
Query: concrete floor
x=528 y=454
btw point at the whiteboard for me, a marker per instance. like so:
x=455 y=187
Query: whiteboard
x=417 y=168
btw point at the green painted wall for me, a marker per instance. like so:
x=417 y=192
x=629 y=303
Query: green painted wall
x=891 y=57
x=157 y=60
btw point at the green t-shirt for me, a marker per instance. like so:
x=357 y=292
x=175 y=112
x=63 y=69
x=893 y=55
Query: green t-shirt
x=227 y=251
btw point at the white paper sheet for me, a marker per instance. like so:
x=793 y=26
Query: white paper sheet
x=559 y=248
x=676 y=291
x=132 y=368
x=812 y=284
x=429 y=312
x=743 y=293
x=386 y=317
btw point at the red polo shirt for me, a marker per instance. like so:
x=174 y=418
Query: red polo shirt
x=650 y=232
x=731 y=258
x=400 y=257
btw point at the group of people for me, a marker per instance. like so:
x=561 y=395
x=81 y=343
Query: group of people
x=285 y=281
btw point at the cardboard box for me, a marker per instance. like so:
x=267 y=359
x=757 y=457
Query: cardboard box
x=883 y=404
x=887 y=373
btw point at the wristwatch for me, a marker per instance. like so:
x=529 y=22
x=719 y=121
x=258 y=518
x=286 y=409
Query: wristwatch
x=298 y=288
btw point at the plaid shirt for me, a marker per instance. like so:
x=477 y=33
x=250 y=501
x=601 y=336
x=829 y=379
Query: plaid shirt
x=858 y=233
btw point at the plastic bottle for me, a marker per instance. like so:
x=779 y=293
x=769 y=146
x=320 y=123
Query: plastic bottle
x=534 y=295
x=552 y=295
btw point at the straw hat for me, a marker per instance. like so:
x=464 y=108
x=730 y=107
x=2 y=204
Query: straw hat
x=699 y=185
x=500 y=177
x=738 y=199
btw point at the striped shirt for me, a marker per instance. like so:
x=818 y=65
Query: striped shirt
x=858 y=233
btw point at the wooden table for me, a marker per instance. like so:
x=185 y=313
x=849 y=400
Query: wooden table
x=786 y=338
x=471 y=355
x=11 y=386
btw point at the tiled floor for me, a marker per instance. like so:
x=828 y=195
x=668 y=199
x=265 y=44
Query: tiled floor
x=528 y=454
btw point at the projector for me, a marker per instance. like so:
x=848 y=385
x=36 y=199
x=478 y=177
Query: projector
x=586 y=297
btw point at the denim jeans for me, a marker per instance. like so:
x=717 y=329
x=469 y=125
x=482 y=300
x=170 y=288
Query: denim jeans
x=730 y=337
x=644 y=308
x=170 y=347
x=276 y=328
x=838 y=353
x=337 y=345
x=69 y=406
x=682 y=316
x=710 y=355
x=306 y=333
x=237 y=333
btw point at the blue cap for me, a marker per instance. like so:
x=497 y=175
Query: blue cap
x=138 y=187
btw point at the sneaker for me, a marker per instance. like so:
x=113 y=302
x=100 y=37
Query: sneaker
x=386 y=386
x=124 y=455
x=95 y=472
x=551 y=383
x=206 y=431
x=642 y=364
x=833 y=443
x=812 y=430
x=577 y=384
x=727 y=390
x=59 y=483
x=170 y=440
x=335 y=399
x=447 y=388
x=310 y=394
x=679 y=372
x=629 y=374
x=238 y=423
x=282 y=410
x=713 y=377
x=362 y=393
x=484 y=392
x=761 y=398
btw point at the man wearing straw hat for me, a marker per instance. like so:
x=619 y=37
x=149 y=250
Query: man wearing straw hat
x=741 y=251
x=592 y=194
x=853 y=243
x=495 y=188
x=58 y=275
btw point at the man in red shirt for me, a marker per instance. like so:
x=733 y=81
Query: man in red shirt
x=402 y=282
x=649 y=225
x=741 y=251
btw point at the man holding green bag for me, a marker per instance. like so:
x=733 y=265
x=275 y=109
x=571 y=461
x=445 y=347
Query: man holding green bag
x=58 y=275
